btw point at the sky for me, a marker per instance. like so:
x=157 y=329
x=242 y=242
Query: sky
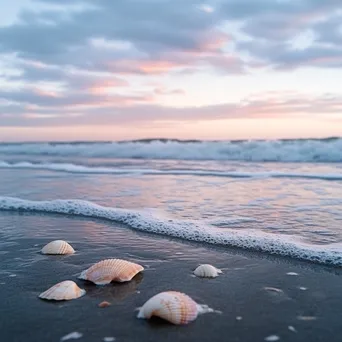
x=186 y=69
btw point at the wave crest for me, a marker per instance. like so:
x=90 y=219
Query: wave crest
x=301 y=150
x=74 y=168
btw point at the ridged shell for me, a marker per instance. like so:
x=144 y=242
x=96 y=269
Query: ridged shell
x=109 y=270
x=65 y=290
x=57 y=247
x=207 y=271
x=175 y=307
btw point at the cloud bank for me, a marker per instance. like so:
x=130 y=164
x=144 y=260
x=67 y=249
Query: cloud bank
x=86 y=63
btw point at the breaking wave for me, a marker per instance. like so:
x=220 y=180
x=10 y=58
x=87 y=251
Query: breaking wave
x=299 y=150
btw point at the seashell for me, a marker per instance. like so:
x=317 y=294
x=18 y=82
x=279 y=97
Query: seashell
x=65 y=290
x=104 y=304
x=207 y=271
x=109 y=270
x=175 y=307
x=272 y=338
x=109 y=339
x=57 y=247
x=72 y=336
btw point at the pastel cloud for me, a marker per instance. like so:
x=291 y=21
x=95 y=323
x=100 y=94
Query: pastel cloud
x=99 y=110
x=86 y=62
x=148 y=28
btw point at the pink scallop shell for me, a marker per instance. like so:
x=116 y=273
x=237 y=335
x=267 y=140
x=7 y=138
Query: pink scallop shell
x=109 y=270
x=65 y=290
x=57 y=247
x=175 y=307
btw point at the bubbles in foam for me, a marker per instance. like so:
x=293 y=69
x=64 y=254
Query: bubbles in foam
x=188 y=230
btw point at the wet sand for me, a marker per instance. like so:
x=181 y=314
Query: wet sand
x=260 y=296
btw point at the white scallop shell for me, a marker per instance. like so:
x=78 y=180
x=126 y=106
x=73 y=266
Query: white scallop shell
x=65 y=290
x=175 y=307
x=106 y=271
x=57 y=247
x=207 y=271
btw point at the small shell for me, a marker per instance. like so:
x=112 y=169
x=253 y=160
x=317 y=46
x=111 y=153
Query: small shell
x=207 y=271
x=109 y=270
x=109 y=339
x=65 y=290
x=57 y=247
x=104 y=304
x=175 y=307
x=72 y=336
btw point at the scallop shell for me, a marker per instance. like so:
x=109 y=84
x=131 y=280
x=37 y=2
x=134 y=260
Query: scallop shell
x=65 y=290
x=57 y=247
x=109 y=270
x=175 y=307
x=207 y=271
x=104 y=304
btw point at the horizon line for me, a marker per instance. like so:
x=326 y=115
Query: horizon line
x=161 y=140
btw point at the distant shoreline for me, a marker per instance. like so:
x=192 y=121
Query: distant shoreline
x=164 y=140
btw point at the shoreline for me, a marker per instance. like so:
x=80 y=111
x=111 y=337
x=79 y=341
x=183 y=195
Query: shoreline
x=273 y=244
x=307 y=296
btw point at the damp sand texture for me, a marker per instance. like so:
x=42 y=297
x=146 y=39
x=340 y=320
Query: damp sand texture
x=259 y=295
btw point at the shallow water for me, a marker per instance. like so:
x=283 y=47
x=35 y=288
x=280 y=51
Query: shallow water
x=264 y=216
x=297 y=203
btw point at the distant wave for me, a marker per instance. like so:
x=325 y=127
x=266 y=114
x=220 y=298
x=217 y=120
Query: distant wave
x=74 y=168
x=189 y=230
x=300 y=150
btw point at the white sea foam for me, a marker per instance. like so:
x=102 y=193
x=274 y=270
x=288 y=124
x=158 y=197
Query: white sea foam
x=189 y=230
x=74 y=168
x=310 y=150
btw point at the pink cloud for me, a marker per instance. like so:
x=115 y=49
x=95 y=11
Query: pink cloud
x=110 y=102
x=99 y=87
x=131 y=110
x=214 y=41
x=209 y=52
x=142 y=66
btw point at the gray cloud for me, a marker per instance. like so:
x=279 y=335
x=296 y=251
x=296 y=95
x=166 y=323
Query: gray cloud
x=243 y=9
x=115 y=38
x=282 y=56
x=156 y=30
x=329 y=30
x=271 y=27
x=72 y=80
x=151 y=26
x=40 y=98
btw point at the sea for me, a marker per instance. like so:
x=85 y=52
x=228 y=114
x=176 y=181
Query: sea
x=279 y=197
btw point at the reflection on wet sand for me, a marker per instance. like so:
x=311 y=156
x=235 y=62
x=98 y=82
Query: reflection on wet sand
x=114 y=291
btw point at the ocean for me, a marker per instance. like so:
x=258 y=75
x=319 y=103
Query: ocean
x=280 y=198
